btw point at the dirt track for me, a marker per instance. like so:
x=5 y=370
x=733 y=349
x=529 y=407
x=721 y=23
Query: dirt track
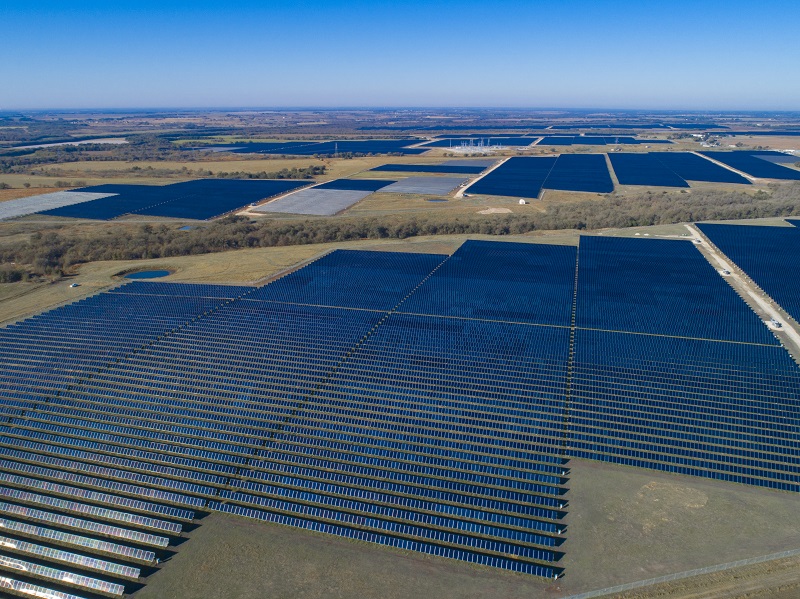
x=774 y=580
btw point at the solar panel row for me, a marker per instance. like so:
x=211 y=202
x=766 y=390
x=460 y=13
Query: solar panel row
x=593 y=140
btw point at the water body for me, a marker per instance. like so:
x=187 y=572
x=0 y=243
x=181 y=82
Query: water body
x=148 y=274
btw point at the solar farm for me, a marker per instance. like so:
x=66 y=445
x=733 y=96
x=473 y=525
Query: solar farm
x=427 y=402
x=526 y=177
x=397 y=355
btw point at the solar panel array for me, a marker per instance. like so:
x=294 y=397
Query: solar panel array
x=644 y=169
x=326 y=199
x=525 y=177
x=478 y=141
x=425 y=185
x=670 y=169
x=356 y=184
x=672 y=371
x=594 y=140
x=750 y=163
x=517 y=176
x=71 y=497
x=419 y=401
x=47 y=201
x=580 y=172
x=624 y=125
x=305 y=148
x=769 y=255
x=314 y=201
x=268 y=406
x=200 y=199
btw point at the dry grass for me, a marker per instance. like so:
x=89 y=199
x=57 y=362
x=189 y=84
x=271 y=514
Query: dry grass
x=22 y=192
x=773 y=142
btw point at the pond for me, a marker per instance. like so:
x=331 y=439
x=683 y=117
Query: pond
x=148 y=274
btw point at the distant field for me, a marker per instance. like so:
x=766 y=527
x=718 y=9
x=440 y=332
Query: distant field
x=773 y=142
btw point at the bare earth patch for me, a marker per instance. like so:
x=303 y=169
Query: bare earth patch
x=495 y=211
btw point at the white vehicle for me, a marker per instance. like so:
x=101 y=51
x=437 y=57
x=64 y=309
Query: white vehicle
x=775 y=323
x=75 y=285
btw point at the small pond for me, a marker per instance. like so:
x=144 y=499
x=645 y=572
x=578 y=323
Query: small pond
x=148 y=274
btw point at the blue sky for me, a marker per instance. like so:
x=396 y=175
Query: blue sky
x=560 y=53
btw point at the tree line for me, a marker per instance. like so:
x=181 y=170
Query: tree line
x=54 y=252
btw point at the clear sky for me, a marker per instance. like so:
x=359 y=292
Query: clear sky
x=671 y=54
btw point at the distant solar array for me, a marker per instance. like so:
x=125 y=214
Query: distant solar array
x=750 y=163
x=593 y=140
x=525 y=177
x=425 y=185
x=669 y=169
x=308 y=148
x=201 y=199
x=642 y=125
x=480 y=141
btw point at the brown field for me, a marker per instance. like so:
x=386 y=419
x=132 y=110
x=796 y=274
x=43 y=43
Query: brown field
x=765 y=141
x=624 y=525
x=22 y=192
